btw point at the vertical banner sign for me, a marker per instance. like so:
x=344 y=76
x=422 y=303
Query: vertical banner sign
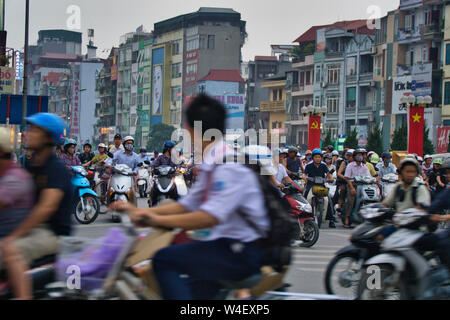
x=415 y=130
x=442 y=139
x=314 y=132
x=74 y=119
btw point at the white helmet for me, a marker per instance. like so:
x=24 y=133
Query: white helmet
x=427 y=156
x=127 y=138
x=335 y=153
x=101 y=145
x=5 y=140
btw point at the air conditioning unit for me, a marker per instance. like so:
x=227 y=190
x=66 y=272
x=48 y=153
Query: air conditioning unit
x=374 y=50
x=372 y=83
x=323 y=84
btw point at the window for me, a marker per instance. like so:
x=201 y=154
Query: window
x=302 y=79
x=333 y=74
x=427 y=17
x=308 y=77
x=176 y=70
x=280 y=94
x=211 y=41
x=332 y=104
x=317 y=74
x=317 y=102
x=175 y=93
x=447 y=93
x=351 y=97
x=202 y=44
x=192 y=44
x=191 y=69
x=274 y=95
x=176 y=47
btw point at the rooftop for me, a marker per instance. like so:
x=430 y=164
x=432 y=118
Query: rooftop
x=71 y=36
x=223 y=75
x=266 y=58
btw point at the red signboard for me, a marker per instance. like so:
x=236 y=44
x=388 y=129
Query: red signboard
x=442 y=139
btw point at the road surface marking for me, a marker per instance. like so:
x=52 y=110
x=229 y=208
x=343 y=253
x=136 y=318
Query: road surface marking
x=315 y=257
x=313 y=251
x=311 y=262
x=310 y=269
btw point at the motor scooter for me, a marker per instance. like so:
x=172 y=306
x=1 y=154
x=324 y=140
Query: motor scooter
x=121 y=187
x=387 y=184
x=86 y=206
x=164 y=186
x=144 y=179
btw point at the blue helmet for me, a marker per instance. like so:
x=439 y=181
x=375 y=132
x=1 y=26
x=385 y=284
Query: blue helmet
x=169 y=144
x=316 y=151
x=50 y=123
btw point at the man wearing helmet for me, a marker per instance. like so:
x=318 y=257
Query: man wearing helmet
x=293 y=164
x=68 y=157
x=386 y=166
x=341 y=182
x=165 y=159
x=356 y=168
x=335 y=158
x=117 y=145
x=317 y=169
x=427 y=165
x=126 y=156
x=100 y=158
x=50 y=217
x=435 y=178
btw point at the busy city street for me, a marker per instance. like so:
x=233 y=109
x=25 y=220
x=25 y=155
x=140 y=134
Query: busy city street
x=237 y=151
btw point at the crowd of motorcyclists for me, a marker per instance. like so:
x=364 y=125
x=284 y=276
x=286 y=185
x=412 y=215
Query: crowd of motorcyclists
x=226 y=199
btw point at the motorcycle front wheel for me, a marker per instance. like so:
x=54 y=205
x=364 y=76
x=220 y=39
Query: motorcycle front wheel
x=310 y=234
x=342 y=276
x=91 y=206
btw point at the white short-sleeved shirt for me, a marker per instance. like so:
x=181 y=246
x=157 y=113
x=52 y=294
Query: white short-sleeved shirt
x=281 y=173
x=234 y=192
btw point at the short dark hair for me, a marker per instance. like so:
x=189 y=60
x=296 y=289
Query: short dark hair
x=209 y=111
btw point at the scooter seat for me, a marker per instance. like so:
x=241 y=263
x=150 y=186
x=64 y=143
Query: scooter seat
x=42 y=261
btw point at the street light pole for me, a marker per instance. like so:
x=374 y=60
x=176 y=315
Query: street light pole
x=25 y=68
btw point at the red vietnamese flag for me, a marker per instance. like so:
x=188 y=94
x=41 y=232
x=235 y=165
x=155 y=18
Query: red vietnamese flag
x=314 y=132
x=415 y=130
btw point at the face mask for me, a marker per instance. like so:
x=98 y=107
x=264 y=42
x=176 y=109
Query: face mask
x=359 y=159
x=387 y=160
x=129 y=147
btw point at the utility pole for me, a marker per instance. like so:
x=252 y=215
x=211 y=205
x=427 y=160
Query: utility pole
x=25 y=69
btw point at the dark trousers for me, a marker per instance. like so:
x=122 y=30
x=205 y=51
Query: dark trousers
x=205 y=263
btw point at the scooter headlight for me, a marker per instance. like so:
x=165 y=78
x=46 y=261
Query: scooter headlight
x=306 y=207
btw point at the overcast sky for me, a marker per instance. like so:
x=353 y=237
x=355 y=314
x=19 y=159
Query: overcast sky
x=268 y=21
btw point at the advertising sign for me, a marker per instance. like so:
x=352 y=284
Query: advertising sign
x=235 y=105
x=442 y=139
x=74 y=117
x=320 y=36
x=157 y=90
x=19 y=65
x=6 y=80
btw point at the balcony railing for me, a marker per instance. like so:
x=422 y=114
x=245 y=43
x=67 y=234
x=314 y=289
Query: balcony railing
x=432 y=31
x=333 y=54
x=407 y=35
x=272 y=106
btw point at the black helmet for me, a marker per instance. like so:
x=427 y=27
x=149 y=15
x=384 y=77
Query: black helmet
x=446 y=164
x=328 y=156
x=331 y=148
x=117 y=136
x=408 y=161
x=386 y=155
x=87 y=144
x=358 y=151
x=142 y=150
x=293 y=149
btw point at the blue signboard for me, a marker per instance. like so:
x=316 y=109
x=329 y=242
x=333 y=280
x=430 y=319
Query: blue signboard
x=35 y=104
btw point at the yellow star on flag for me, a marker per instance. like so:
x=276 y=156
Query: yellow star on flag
x=416 y=118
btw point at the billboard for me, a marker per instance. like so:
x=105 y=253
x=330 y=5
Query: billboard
x=157 y=85
x=6 y=80
x=320 y=39
x=235 y=106
x=442 y=139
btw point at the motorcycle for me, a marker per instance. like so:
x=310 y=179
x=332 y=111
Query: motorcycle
x=388 y=183
x=344 y=270
x=144 y=179
x=367 y=192
x=404 y=273
x=317 y=202
x=307 y=231
x=121 y=187
x=86 y=206
x=164 y=186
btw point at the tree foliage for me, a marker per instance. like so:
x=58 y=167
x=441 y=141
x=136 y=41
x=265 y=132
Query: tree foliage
x=159 y=134
x=400 y=139
x=328 y=141
x=428 y=147
x=375 y=141
x=352 y=141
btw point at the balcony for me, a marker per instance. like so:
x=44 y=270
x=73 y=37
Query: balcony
x=368 y=76
x=334 y=54
x=403 y=70
x=303 y=61
x=301 y=90
x=272 y=106
x=408 y=35
x=431 y=32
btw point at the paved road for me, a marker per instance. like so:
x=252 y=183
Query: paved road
x=308 y=267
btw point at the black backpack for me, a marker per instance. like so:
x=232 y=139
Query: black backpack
x=277 y=243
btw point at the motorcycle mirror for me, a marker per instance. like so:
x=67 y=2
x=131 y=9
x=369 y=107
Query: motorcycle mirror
x=147 y=162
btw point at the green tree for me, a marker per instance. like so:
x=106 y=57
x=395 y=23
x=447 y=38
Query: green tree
x=448 y=145
x=400 y=139
x=375 y=141
x=159 y=134
x=428 y=147
x=328 y=141
x=352 y=141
